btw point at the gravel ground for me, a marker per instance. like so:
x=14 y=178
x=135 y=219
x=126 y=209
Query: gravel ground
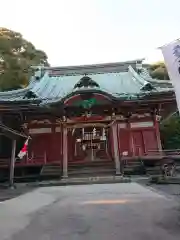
x=107 y=211
x=170 y=190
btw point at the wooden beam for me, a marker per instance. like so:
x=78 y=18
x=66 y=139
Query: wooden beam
x=12 y=164
x=10 y=132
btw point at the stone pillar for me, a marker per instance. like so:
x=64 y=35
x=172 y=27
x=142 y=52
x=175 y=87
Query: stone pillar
x=65 y=152
x=115 y=148
x=12 y=163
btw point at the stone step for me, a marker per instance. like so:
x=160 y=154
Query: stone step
x=90 y=163
x=52 y=167
x=133 y=166
x=58 y=174
x=51 y=170
x=90 y=171
x=90 y=167
x=83 y=180
x=133 y=163
x=134 y=169
x=4 y=162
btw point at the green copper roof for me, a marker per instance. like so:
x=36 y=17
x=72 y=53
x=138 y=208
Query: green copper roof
x=126 y=83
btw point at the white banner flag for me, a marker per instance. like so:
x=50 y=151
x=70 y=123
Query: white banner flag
x=171 y=53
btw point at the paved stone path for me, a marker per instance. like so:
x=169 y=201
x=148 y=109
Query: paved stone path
x=126 y=211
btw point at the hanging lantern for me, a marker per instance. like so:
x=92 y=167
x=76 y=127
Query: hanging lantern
x=103 y=137
x=82 y=133
x=94 y=132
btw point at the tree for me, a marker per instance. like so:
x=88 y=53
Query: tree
x=170 y=132
x=17 y=55
x=158 y=70
x=170 y=128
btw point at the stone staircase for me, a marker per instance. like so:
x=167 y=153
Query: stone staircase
x=96 y=168
x=4 y=162
x=133 y=167
x=91 y=168
x=53 y=170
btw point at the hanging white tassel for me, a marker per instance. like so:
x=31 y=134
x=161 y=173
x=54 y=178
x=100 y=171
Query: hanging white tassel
x=94 y=132
x=103 y=134
x=82 y=133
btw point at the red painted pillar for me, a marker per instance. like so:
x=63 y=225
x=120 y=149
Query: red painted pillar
x=65 y=152
x=131 y=142
x=61 y=141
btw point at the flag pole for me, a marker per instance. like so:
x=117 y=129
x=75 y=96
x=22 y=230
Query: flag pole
x=12 y=164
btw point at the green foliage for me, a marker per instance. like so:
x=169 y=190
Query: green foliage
x=158 y=70
x=17 y=55
x=170 y=129
x=170 y=133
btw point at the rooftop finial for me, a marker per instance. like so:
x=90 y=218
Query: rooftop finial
x=139 y=65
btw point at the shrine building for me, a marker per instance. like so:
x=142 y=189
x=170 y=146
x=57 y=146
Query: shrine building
x=85 y=119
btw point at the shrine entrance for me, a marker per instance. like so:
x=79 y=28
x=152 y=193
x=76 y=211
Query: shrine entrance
x=90 y=143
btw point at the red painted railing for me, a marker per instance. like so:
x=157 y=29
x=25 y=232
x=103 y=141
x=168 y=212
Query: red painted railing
x=36 y=159
x=165 y=152
x=32 y=159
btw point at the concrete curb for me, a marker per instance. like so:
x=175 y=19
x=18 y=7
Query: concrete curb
x=168 y=180
x=78 y=181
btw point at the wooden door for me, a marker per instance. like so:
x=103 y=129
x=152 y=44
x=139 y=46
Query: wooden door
x=150 y=141
x=138 y=143
x=124 y=142
x=36 y=148
x=55 y=147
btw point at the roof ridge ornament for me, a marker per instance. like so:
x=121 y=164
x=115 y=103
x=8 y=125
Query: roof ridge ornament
x=139 y=66
x=30 y=95
x=146 y=85
x=86 y=81
x=39 y=72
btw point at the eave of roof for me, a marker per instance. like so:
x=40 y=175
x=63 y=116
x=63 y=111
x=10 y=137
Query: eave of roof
x=11 y=132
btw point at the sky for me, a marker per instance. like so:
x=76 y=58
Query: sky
x=76 y=32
